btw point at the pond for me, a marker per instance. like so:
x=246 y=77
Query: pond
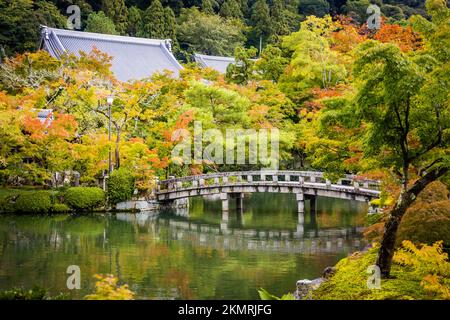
x=194 y=254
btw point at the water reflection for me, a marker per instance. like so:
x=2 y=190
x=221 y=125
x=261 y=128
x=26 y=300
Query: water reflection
x=195 y=254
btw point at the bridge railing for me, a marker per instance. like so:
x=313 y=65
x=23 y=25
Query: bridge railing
x=254 y=177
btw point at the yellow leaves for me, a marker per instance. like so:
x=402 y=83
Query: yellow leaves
x=107 y=288
x=428 y=262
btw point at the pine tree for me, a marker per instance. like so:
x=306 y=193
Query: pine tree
x=134 y=21
x=170 y=27
x=244 y=7
x=231 y=9
x=279 y=22
x=260 y=19
x=153 y=21
x=117 y=11
x=207 y=6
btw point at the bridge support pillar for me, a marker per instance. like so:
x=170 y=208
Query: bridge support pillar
x=224 y=198
x=224 y=221
x=300 y=202
x=239 y=201
x=312 y=204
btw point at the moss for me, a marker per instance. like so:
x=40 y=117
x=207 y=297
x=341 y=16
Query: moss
x=350 y=282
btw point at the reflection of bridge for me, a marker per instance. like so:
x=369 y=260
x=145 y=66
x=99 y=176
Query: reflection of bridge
x=306 y=185
x=332 y=240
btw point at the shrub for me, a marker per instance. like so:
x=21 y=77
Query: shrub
x=36 y=293
x=429 y=263
x=84 y=198
x=120 y=186
x=60 y=208
x=107 y=288
x=34 y=202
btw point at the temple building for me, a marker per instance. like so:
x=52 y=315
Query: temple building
x=132 y=58
x=215 y=62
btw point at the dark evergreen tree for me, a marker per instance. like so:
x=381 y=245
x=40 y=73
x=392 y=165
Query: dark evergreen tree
x=19 y=24
x=134 y=21
x=278 y=18
x=231 y=9
x=317 y=8
x=260 y=21
x=170 y=27
x=207 y=6
x=153 y=21
x=117 y=11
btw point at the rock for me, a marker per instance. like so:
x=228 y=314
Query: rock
x=305 y=288
x=328 y=272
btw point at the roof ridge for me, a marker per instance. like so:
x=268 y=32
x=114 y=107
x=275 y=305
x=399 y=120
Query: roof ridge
x=214 y=57
x=105 y=37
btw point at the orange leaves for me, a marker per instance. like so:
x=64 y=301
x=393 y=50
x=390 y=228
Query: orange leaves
x=405 y=38
x=34 y=127
x=346 y=38
x=182 y=122
x=64 y=126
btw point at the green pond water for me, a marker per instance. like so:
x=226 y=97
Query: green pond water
x=195 y=254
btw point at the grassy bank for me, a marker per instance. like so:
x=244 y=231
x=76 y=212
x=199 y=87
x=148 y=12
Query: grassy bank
x=416 y=274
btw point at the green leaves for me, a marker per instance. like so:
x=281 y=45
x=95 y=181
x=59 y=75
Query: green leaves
x=264 y=295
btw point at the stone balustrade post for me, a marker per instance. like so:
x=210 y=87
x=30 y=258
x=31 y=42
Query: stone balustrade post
x=300 y=202
x=224 y=198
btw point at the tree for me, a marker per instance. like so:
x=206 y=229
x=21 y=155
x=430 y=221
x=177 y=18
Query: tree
x=153 y=21
x=19 y=24
x=208 y=6
x=117 y=11
x=134 y=21
x=260 y=21
x=313 y=60
x=403 y=111
x=393 y=12
x=231 y=9
x=208 y=34
x=100 y=23
x=318 y=8
x=170 y=27
x=241 y=70
x=357 y=9
x=278 y=19
x=271 y=64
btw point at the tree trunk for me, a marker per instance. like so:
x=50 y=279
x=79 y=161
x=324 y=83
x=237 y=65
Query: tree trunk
x=406 y=198
x=117 y=151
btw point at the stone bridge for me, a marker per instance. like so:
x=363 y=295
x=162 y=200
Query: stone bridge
x=306 y=185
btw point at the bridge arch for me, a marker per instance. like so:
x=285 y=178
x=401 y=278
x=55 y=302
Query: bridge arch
x=304 y=184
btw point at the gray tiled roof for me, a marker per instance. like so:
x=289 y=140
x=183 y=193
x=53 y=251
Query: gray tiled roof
x=133 y=58
x=218 y=63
